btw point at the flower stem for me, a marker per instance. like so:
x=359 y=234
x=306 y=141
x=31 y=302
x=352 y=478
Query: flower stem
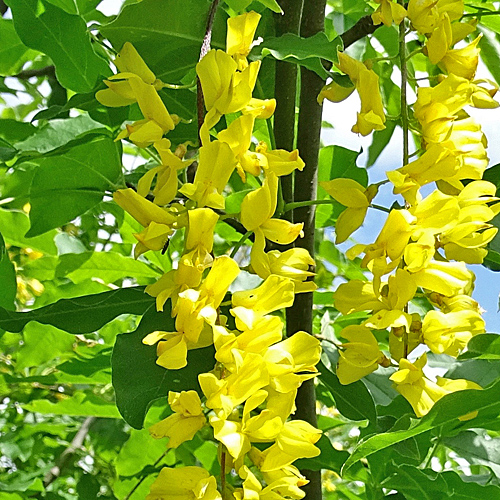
x=307 y=203
x=239 y=244
x=223 y=473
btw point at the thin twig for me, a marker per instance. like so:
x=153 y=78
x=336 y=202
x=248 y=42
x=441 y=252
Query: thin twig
x=205 y=48
x=30 y=73
x=66 y=455
x=131 y=492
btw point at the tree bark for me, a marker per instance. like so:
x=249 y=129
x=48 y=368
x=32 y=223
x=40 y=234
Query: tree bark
x=300 y=315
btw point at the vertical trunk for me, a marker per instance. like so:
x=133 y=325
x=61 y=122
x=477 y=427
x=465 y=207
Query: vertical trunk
x=300 y=315
x=286 y=90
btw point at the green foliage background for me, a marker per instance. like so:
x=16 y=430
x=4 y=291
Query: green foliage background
x=70 y=289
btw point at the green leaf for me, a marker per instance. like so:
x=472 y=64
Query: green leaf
x=418 y=484
x=13 y=53
x=64 y=38
x=476 y=449
x=307 y=52
x=15 y=224
x=380 y=140
x=13 y=131
x=336 y=162
x=66 y=186
x=82 y=314
x=177 y=28
x=273 y=5
x=107 y=266
x=330 y=458
x=354 y=401
x=485 y=346
x=490 y=52
x=58 y=133
x=43 y=343
x=82 y=404
x=446 y=411
x=8 y=282
x=150 y=381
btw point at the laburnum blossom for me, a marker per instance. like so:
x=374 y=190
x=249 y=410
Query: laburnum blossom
x=360 y=356
x=159 y=223
x=449 y=333
x=184 y=423
x=166 y=174
x=462 y=62
x=237 y=436
x=184 y=483
x=421 y=392
x=294 y=264
x=390 y=244
x=356 y=198
x=131 y=65
x=287 y=486
x=195 y=312
x=216 y=164
x=388 y=12
x=372 y=116
x=240 y=33
x=249 y=306
x=295 y=440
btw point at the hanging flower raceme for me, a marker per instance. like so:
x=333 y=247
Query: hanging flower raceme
x=421 y=392
x=388 y=12
x=356 y=198
x=372 y=116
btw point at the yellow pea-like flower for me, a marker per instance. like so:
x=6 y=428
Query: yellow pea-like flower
x=184 y=423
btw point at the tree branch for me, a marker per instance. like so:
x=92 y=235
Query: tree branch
x=362 y=28
x=68 y=453
x=49 y=71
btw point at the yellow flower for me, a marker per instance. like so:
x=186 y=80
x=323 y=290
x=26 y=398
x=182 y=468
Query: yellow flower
x=437 y=106
x=296 y=440
x=257 y=210
x=250 y=305
x=157 y=120
x=131 y=65
x=421 y=392
x=356 y=198
x=166 y=184
x=265 y=332
x=440 y=40
x=462 y=62
x=237 y=436
x=198 y=245
x=184 y=423
x=435 y=164
x=388 y=12
x=159 y=222
x=225 y=393
x=449 y=333
x=173 y=346
x=284 y=486
x=292 y=361
x=360 y=356
x=372 y=116
x=240 y=32
x=279 y=161
x=216 y=164
x=184 y=483
x=224 y=89
x=446 y=278
x=390 y=244
x=293 y=264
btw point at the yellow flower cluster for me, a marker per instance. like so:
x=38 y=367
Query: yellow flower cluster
x=249 y=395
x=424 y=247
